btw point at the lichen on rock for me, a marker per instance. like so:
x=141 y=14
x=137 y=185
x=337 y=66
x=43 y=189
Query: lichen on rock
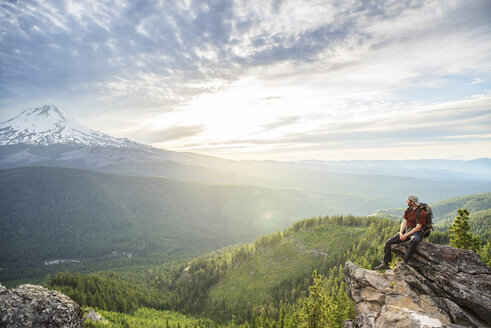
x=35 y=306
x=92 y=316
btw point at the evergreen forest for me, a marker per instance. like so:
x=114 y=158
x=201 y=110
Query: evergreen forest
x=276 y=281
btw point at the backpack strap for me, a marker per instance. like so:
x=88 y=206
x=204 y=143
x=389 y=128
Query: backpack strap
x=417 y=213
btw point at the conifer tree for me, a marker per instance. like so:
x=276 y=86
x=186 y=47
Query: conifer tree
x=282 y=320
x=459 y=236
x=314 y=313
x=486 y=253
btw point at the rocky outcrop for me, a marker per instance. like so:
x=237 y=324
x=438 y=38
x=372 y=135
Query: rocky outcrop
x=92 y=316
x=441 y=286
x=35 y=306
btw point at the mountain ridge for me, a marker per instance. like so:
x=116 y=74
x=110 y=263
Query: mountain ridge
x=356 y=187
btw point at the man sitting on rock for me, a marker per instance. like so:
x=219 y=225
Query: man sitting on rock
x=410 y=230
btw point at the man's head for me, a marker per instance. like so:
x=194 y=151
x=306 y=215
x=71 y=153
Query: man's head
x=412 y=199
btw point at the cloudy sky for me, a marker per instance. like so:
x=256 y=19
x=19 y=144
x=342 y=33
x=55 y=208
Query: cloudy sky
x=245 y=79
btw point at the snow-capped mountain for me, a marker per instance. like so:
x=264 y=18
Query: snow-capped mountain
x=47 y=125
x=46 y=136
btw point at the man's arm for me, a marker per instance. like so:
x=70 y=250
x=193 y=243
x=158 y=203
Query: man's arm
x=403 y=228
x=418 y=228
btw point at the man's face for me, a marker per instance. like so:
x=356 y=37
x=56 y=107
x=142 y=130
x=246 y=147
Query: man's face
x=409 y=202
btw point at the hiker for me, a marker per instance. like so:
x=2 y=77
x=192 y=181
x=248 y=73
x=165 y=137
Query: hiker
x=410 y=230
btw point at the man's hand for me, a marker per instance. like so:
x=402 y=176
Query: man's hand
x=403 y=228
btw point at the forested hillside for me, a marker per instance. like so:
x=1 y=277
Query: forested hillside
x=50 y=214
x=261 y=283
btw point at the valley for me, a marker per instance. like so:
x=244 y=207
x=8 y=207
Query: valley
x=60 y=213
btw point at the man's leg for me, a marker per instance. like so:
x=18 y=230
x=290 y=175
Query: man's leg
x=387 y=249
x=415 y=239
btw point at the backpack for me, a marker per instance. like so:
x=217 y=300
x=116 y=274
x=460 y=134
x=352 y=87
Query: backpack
x=429 y=218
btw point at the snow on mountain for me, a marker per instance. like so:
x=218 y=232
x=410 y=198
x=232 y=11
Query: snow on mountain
x=47 y=125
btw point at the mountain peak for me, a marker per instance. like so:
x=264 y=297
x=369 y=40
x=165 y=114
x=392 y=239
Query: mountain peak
x=48 y=125
x=46 y=111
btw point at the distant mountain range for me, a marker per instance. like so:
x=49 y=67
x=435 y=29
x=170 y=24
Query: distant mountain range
x=46 y=136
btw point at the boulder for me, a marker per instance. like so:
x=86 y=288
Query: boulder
x=92 y=316
x=440 y=286
x=35 y=306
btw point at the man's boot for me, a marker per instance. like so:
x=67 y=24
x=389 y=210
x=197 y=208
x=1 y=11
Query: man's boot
x=382 y=266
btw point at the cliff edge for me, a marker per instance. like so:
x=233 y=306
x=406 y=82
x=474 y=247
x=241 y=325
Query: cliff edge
x=440 y=286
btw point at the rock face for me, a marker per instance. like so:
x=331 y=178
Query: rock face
x=93 y=316
x=35 y=306
x=441 y=286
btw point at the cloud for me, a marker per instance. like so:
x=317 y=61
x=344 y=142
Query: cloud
x=104 y=49
x=107 y=42
x=477 y=81
x=446 y=127
x=425 y=126
x=284 y=121
x=327 y=63
x=169 y=134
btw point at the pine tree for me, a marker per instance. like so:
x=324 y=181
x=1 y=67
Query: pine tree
x=460 y=237
x=486 y=254
x=314 y=313
x=282 y=320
